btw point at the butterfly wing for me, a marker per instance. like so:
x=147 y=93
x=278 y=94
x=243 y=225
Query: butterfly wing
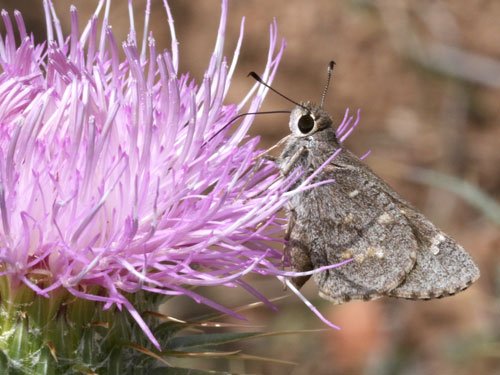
x=352 y=217
x=396 y=251
x=443 y=267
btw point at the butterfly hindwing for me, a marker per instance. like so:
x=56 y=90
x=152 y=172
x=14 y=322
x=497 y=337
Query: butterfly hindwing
x=443 y=267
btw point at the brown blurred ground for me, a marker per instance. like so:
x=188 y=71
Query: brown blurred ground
x=416 y=111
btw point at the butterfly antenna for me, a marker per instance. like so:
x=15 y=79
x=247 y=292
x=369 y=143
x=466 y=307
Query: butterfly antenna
x=330 y=70
x=258 y=79
x=237 y=117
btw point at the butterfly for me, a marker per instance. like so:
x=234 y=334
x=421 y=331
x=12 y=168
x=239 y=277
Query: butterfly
x=395 y=250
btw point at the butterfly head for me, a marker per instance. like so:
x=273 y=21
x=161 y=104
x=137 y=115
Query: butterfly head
x=307 y=119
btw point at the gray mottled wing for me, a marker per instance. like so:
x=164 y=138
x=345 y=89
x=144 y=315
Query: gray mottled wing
x=443 y=267
x=353 y=217
x=397 y=252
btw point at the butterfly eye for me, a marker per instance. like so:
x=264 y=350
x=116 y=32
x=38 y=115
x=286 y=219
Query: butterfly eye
x=306 y=124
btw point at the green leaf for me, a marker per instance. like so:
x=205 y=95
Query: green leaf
x=166 y=330
x=205 y=354
x=232 y=355
x=249 y=357
x=183 y=342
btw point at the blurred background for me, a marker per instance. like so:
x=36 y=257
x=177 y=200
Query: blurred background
x=426 y=76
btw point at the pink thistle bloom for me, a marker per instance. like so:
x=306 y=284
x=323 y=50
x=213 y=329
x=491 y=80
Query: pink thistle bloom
x=121 y=174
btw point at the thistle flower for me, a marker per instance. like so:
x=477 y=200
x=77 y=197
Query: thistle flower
x=119 y=181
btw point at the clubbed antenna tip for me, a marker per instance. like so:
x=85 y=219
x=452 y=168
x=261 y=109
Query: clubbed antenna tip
x=329 y=72
x=258 y=79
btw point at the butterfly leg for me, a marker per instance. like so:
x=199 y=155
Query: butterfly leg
x=280 y=142
x=296 y=251
x=284 y=171
x=290 y=163
x=253 y=171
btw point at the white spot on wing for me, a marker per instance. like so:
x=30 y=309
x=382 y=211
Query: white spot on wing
x=347 y=254
x=360 y=258
x=353 y=193
x=349 y=218
x=379 y=253
x=385 y=218
x=375 y=252
x=436 y=241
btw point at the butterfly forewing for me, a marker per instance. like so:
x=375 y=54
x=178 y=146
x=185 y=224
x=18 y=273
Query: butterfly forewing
x=396 y=250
